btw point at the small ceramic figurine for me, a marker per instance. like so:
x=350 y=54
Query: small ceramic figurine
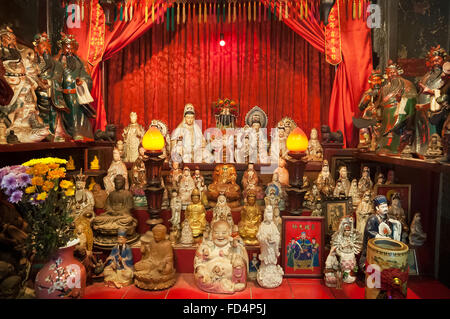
x=70 y=166
x=325 y=182
x=100 y=196
x=363 y=211
x=280 y=192
x=186 y=186
x=250 y=220
x=256 y=119
x=417 y=236
x=83 y=200
x=121 y=147
x=339 y=190
x=379 y=225
x=390 y=177
x=132 y=136
x=196 y=214
x=397 y=212
x=270 y=274
x=333 y=272
x=117 y=216
x=305 y=183
x=253 y=267
x=354 y=193
x=347 y=242
x=155 y=270
x=138 y=179
x=91 y=184
x=379 y=180
x=222 y=211
x=314 y=152
x=95 y=164
x=199 y=181
x=119 y=265
x=221 y=263
x=250 y=182
x=12 y=138
x=174 y=177
x=434 y=149
x=3 y=132
x=364 y=140
x=343 y=177
x=312 y=197
x=365 y=183
x=186 y=234
x=117 y=167
x=175 y=207
x=273 y=199
x=224 y=182
x=317 y=211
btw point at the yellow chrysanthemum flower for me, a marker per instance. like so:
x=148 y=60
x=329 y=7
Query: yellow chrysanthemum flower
x=70 y=191
x=37 y=180
x=46 y=160
x=53 y=165
x=65 y=184
x=42 y=196
x=40 y=169
x=48 y=185
x=30 y=189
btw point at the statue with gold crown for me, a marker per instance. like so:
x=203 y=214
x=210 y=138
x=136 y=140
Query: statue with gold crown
x=193 y=140
x=83 y=201
x=21 y=114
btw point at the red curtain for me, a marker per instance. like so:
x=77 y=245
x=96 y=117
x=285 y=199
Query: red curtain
x=263 y=63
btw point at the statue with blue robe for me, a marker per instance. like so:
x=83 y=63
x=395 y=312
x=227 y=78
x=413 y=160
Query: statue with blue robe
x=119 y=266
x=291 y=249
x=303 y=256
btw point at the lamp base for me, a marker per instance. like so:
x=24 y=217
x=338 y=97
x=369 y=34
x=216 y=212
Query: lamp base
x=296 y=196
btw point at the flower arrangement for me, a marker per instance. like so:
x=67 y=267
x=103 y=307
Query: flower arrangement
x=221 y=105
x=42 y=194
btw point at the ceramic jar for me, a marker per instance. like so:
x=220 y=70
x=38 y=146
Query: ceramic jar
x=386 y=269
x=62 y=277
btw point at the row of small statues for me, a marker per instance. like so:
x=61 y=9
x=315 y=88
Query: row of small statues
x=398 y=119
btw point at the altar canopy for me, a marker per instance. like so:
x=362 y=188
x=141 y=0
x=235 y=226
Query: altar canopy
x=302 y=17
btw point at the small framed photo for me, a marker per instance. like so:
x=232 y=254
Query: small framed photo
x=302 y=246
x=412 y=262
x=405 y=195
x=334 y=209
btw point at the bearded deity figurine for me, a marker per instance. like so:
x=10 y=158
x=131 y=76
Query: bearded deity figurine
x=139 y=179
x=324 y=181
x=429 y=97
x=397 y=212
x=49 y=95
x=186 y=186
x=250 y=220
x=132 y=137
x=434 y=149
x=347 y=242
x=250 y=182
x=193 y=140
x=83 y=200
x=117 y=216
x=379 y=225
x=156 y=269
x=256 y=119
x=224 y=182
x=117 y=167
x=119 y=267
x=397 y=103
x=281 y=191
x=365 y=183
x=270 y=274
x=312 y=197
x=417 y=236
x=354 y=193
x=221 y=263
x=272 y=199
x=363 y=211
x=76 y=86
x=21 y=75
x=186 y=238
x=196 y=214
x=222 y=211
x=314 y=152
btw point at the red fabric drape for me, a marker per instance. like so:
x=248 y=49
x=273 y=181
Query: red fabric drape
x=263 y=63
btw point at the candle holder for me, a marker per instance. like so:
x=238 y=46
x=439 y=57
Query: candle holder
x=296 y=193
x=154 y=190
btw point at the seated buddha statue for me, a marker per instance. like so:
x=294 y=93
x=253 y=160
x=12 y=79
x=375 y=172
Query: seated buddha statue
x=118 y=206
x=250 y=220
x=155 y=270
x=196 y=214
x=221 y=263
x=224 y=182
x=250 y=182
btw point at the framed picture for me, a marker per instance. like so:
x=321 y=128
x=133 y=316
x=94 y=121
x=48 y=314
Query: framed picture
x=405 y=195
x=334 y=210
x=412 y=262
x=302 y=246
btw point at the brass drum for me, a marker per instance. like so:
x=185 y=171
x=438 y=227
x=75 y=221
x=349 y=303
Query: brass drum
x=386 y=269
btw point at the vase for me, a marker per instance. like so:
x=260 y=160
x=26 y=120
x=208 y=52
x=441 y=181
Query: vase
x=386 y=269
x=62 y=277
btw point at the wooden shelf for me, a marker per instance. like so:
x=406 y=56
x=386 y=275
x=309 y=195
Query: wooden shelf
x=89 y=172
x=27 y=147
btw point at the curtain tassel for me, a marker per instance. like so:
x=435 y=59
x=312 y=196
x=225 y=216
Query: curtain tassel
x=306 y=9
x=360 y=9
x=354 y=9
x=178 y=13
x=234 y=12
x=286 y=12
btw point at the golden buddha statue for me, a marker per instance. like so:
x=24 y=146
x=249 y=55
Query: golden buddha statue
x=224 y=182
x=196 y=214
x=70 y=166
x=250 y=220
x=95 y=164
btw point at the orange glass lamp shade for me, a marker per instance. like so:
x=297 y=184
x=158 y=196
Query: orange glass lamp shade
x=153 y=140
x=297 y=142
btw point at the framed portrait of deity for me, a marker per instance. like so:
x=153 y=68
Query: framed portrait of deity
x=334 y=209
x=302 y=246
x=404 y=190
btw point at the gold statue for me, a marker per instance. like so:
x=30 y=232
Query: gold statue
x=250 y=220
x=95 y=164
x=224 y=182
x=70 y=166
x=196 y=214
x=92 y=184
